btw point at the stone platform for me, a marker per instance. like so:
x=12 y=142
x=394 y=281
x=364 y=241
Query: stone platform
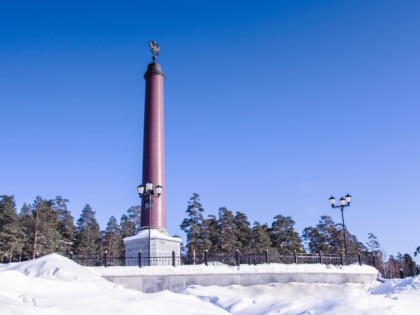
x=154 y=279
x=161 y=245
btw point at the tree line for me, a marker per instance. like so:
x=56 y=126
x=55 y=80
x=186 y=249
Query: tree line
x=47 y=226
x=231 y=231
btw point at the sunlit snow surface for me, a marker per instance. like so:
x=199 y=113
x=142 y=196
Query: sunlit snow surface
x=56 y=285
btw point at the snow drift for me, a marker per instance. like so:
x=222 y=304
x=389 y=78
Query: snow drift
x=56 y=285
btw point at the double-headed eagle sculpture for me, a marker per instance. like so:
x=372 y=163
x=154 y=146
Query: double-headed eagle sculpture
x=155 y=49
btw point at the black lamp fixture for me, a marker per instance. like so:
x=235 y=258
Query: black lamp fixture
x=344 y=202
x=147 y=192
x=147 y=189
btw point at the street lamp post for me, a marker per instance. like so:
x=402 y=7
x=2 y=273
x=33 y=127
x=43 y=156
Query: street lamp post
x=147 y=192
x=344 y=202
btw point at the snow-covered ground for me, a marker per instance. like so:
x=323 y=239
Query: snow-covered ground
x=56 y=285
x=225 y=269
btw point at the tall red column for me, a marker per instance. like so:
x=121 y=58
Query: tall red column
x=154 y=146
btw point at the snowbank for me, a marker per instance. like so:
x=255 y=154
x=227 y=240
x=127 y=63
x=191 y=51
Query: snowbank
x=56 y=285
x=54 y=267
x=224 y=269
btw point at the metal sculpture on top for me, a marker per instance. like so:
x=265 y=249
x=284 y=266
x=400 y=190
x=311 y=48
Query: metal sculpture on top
x=155 y=49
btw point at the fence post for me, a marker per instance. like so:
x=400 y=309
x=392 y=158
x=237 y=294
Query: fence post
x=320 y=257
x=359 y=257
x=173 y=258
x=105 y=259
x=295 y=257
x=266 y=257
x=140 y=264
x=206 y=257
x=238 y=262
x=342 y=257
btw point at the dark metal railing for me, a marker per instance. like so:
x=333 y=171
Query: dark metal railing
x=231 y=259
x=141 y=261
x=389 y=270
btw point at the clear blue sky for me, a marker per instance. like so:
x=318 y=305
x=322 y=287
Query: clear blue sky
x=271 y=107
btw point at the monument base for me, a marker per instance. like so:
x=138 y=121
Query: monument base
x=161 y=246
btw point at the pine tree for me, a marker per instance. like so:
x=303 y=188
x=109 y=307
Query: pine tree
x=11 y=235
x=373 y=247
x=408 y=266
x=127 y=227
x=134 y=216
x=373 y=244
x=417 y=251
x=130 y=224
x=392 y=267
x=210 y=236
x=227 y=242
x=260 y=238
x=88 y=239
x=353 y=244
x=46 y=236
x=283 y=235
x=325 y=237
x=242 y=232
x=112 y=238
x=26 y=221
x=331 y=234
x=66 y=225
x=313 y=239
x=193 y=227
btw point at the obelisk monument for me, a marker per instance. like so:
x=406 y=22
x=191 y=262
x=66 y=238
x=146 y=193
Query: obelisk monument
x=153 y=240
x=154 y=142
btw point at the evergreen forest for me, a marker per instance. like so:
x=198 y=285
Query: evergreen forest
x=47 y=226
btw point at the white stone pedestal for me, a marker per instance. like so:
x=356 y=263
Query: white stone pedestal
x=161 y=247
